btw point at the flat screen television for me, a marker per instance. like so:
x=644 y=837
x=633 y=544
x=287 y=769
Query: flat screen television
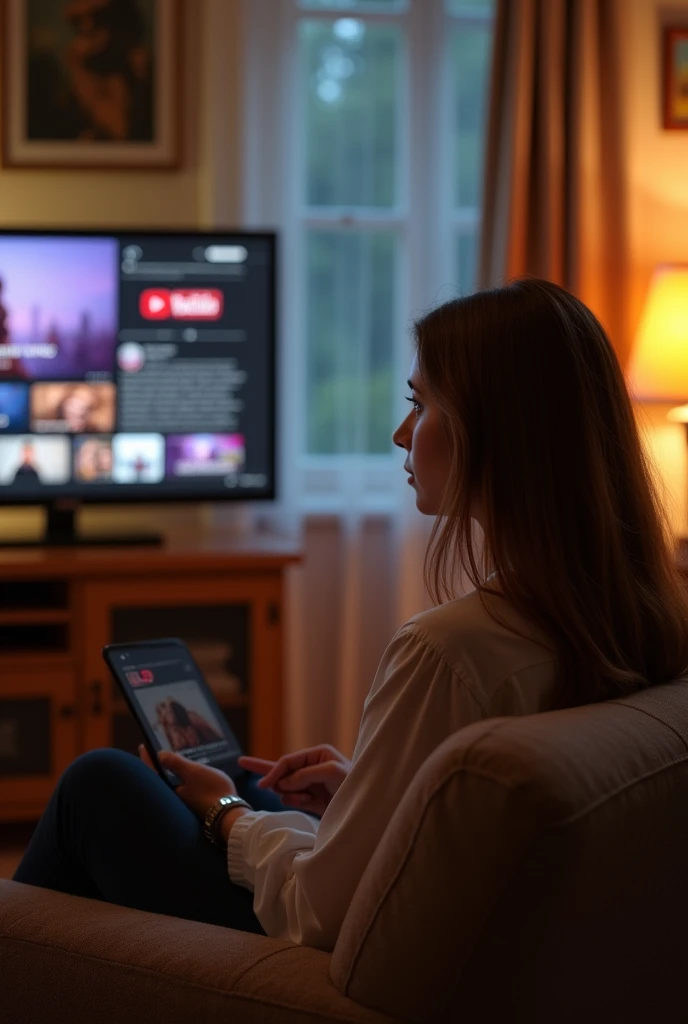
x=135 y=366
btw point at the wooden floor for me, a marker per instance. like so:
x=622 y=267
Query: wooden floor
x=13 y=840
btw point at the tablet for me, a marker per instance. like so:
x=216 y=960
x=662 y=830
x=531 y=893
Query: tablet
x=173 y=704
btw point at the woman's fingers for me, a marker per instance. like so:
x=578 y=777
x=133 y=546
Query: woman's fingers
x=167 y=759
x=176 y=762
x=276 y=773
x=285 y=766
x=146 y=758
x=255 y=764
x=305 y=779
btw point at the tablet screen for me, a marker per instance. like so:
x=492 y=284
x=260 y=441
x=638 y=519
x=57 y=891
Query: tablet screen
x=167 y=690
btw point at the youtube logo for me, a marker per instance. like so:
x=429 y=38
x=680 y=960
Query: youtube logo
x=197 y=304
x=181 y=304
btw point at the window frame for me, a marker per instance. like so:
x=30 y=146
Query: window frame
x=426 y=220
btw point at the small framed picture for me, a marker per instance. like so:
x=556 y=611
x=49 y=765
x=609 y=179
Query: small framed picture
x=676 y=78
x=91 y=83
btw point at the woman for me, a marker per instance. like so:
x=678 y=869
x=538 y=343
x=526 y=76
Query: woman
x=521 y=420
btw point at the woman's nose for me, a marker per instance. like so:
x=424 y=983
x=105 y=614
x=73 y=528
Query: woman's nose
x=402 y=436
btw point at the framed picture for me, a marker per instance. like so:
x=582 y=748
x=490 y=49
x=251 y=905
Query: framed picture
x=676 y=77
x=91 y=83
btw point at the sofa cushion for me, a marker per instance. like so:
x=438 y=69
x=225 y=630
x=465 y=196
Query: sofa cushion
x=69 y=960
x=537 y=871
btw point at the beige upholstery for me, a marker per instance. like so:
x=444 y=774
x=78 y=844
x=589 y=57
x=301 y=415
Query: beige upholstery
x=68 y=960
x=537 y=871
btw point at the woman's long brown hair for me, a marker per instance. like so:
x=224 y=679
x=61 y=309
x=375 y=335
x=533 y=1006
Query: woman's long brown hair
x=542 y=432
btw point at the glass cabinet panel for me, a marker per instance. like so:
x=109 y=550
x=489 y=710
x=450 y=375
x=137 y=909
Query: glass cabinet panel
x=25 y=740
x=217 y=636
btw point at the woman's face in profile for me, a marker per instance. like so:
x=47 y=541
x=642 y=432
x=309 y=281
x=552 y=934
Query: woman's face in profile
x=428 y=457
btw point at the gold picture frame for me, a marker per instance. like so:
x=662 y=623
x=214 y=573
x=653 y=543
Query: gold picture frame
x=675 y=78
x=91 y=84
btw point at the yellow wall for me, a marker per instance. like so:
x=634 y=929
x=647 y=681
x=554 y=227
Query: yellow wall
x=657 y=212
x=189 y=197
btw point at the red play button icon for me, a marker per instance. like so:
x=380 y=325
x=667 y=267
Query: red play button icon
x=154 y=304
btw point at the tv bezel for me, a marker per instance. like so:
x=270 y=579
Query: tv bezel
x=58 y=497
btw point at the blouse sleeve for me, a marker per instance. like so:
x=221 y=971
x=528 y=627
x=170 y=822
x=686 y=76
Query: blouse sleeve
x=304 y=873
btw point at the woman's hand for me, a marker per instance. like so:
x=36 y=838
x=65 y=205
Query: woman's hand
x=201 y=785
x=307 y=779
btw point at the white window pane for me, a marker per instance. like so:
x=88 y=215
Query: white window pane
x=354 y=5
x=468 y=7
x=470 y=50
x=466 y=267
x=349 y=101
x=350 y=332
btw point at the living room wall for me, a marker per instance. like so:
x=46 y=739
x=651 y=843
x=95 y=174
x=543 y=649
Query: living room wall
x=657 y=193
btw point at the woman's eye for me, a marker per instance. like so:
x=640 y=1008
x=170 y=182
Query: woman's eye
x=417 y=407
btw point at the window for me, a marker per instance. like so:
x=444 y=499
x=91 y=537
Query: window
x=366 y=122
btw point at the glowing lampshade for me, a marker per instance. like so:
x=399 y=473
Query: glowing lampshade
x=658 y=370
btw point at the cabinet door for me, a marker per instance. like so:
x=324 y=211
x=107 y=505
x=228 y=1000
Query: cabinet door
x=38 y=736
x=233 y=628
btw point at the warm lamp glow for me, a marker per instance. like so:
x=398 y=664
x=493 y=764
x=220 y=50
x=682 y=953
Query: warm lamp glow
x=658 y=370
x=679 y=414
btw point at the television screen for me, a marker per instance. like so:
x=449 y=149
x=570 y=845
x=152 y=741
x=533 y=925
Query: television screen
x=136 y=366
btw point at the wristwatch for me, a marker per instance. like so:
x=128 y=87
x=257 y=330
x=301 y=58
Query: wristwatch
x=216 y=813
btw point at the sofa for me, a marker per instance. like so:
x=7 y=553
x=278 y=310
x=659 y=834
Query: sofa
x=536 y=871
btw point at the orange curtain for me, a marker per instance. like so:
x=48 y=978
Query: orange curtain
x=554 y=203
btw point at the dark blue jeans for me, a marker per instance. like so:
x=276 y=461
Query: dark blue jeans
x=114 y=831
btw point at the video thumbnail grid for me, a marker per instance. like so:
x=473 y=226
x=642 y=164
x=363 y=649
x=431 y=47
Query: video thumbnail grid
x=93 y=458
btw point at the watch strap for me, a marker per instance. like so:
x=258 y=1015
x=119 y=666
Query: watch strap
x=216 y=813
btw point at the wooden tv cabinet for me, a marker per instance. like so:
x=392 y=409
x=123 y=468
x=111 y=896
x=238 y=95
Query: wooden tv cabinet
x=222 y=593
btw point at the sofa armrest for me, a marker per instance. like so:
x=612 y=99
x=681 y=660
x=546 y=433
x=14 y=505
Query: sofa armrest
x=65 y=958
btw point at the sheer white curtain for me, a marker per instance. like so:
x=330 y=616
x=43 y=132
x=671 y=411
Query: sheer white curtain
x=362 y=142
x=367 y=622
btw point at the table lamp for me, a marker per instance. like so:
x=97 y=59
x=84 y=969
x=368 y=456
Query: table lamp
x=658 y=368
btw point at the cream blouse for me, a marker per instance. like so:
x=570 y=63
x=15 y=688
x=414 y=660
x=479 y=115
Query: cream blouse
x=445 y=668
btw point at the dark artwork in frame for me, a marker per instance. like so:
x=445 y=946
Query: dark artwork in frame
x=91 y=83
